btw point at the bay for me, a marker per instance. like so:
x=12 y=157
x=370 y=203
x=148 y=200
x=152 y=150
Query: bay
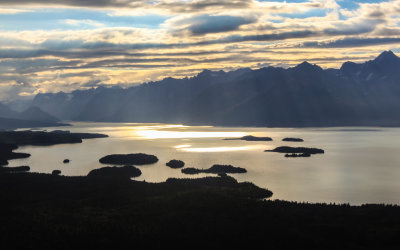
x=360 y=165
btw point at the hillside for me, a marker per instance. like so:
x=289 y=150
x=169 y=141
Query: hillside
x=56 y=212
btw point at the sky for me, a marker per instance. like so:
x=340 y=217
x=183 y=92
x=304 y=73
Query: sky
x=63 y=45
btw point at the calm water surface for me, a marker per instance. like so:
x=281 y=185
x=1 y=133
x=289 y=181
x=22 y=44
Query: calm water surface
x=360 y=165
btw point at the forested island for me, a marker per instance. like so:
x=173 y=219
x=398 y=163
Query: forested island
x=136 y=159
x=175 y=164
x=287 y=149
x=251 y=138
x=293 y=139
x=215 y=169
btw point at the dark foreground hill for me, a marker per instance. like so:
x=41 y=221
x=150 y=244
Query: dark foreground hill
x=41 y=211
x=305 y=95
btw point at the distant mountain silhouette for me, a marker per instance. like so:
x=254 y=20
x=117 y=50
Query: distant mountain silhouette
x=6 y=112
x=32 y=113
x=31 y=117
x=305 y=95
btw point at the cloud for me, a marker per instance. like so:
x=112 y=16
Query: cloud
x=351 y=42
x=204 y=24
x=172 y=6
x=12 y=11
x=202 y=5
x=78 y=3
x=85 y=22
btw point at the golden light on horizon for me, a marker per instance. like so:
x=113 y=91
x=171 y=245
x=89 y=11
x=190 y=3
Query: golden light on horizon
x=161 y=134
x=222 y=149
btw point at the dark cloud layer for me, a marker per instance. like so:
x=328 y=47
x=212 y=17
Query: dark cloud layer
x=351 y=42
x=214 y=24
x=174 y=6
x=199 y=5
x=82 y=3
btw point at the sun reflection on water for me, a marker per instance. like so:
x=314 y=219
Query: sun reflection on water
x=188 y=148
x=151 y=133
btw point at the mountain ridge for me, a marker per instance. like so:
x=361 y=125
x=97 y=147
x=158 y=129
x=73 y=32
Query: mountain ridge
x=357 y=94
x=31 y=117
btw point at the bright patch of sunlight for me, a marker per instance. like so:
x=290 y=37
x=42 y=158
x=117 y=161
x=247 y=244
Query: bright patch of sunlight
x=160 y=134
x=182 y=146
x=222 y=149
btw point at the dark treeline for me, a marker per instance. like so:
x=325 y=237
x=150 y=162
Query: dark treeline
x=6 y=153
x=41 y=211
x=14 y=169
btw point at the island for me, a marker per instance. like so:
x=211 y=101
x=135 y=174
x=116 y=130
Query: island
x=175 y=164
x=130 y=159
x=296 y=150
x=116 y=172
x=66 y=161
x=293 y=139
x=56 y=172
x=251 y=138
x=215 y=169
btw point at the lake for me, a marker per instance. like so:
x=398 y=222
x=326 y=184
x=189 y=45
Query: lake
x=360 y=165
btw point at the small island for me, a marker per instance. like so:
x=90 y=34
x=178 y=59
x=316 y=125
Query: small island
x=297 y=151
x=175 y=164
x=251 y=138
x=116 y=172
x=131 y=159
x=56 y=172
x=215 y=169
x=66 y=161
x=293 y=139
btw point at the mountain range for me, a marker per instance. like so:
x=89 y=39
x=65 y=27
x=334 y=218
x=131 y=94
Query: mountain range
x=357 y=94
x=30 y=117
